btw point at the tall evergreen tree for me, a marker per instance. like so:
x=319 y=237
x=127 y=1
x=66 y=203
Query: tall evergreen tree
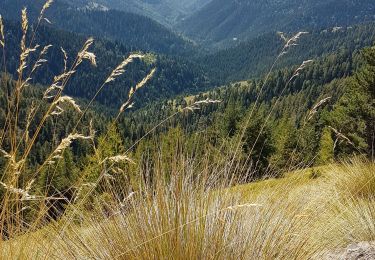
x=326 y=153
x=353 y=118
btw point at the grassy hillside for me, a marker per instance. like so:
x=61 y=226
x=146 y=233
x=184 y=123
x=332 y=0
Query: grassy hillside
x=301 y=216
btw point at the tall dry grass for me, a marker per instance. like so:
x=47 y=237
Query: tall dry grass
x=350 y=212
x=192 y=217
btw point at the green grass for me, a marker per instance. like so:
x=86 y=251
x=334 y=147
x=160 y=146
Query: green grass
x=290 y=180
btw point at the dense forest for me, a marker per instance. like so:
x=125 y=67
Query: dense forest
x=246 y=19
x=307 y=116
x=255 y=57
x=135 y=31
x=175 y=75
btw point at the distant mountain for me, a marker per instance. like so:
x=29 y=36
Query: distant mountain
x=222 y=21
x=136 y=31
x=167 y=12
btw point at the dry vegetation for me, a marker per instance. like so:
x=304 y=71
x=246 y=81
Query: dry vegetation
x=187 y=215
x=297 y=217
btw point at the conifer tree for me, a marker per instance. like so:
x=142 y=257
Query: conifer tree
x=326 y=153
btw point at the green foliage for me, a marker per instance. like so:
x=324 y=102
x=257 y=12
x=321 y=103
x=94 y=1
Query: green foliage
x=230 y=119
x=326 y=147
x=57 y=179
x=253 y=58
x=174 y=76
x=109 y=144
x=354 y=116
x=257 y=145
x=284 y=136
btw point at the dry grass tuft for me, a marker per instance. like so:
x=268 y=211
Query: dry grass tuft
x=120 y=69
x=356 y=179
x=2 y=37
x=195 y=217
x=189 y=218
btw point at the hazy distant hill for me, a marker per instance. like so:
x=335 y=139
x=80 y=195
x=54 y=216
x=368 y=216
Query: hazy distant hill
x=224 y=20
x=167 y=12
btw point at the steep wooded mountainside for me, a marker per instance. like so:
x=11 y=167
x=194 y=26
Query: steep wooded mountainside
x=136 y=31
x=167 y=12
x=254 y=57
x=225 y=20
x=300 y=115
x=174 y=76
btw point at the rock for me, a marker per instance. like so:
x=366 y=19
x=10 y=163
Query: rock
x=358 y=251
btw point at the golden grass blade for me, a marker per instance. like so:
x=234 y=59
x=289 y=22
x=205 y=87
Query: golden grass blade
x=47 y=5
x=68 y=100
x=25 y=26
x=84 y=54
x=2 y=36
x=64 y=144
x=133 y=90
x=146 y=79
x=120 y=69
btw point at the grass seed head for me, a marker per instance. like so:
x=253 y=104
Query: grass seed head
x=2 y=36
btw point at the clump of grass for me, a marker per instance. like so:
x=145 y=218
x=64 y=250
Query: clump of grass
x=315 y=174
x=356 y=220
x=188 y=217
x=356 y=179
x=348 y=205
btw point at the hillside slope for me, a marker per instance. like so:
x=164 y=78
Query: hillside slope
x=254 y=57
x=167 y=12
x=137 y=31
x=223 y=20
x=174 y=75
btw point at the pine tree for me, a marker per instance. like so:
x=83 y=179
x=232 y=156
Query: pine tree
x=257 y=145
x=326 y=153
x=229 y=120
x=354 y=114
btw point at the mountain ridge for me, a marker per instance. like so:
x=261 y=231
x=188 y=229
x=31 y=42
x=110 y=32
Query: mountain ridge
x=167 y=12
x=138 y=31
x=221 y=21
